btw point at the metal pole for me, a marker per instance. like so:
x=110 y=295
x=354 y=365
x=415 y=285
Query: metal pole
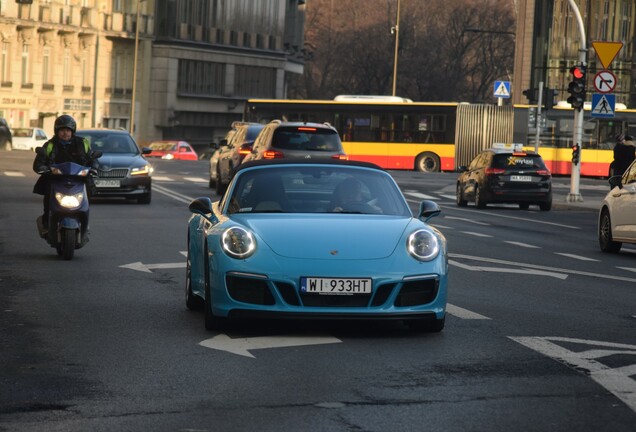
x=134 y=83
x=537 y=132
x=575 y=195
x=397 y=41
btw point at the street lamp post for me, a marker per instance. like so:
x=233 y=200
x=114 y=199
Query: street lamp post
x=396 y=30
x=134 y=83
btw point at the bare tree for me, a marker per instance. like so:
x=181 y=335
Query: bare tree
x=448 y=50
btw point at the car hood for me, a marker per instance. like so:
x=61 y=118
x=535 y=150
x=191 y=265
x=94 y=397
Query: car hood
x=110 y=160
x=330 y=236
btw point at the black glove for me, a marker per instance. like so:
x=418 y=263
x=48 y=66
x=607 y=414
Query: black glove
x=43 y=169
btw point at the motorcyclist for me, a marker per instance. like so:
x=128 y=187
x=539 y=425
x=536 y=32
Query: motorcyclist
x=65 y=146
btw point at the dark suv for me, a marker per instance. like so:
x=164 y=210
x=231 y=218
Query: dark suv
x=5 y=135
x=297 y=140
x=232 y=153
x=505 y=174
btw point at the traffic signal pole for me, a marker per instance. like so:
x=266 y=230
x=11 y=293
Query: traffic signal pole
x=575 y=195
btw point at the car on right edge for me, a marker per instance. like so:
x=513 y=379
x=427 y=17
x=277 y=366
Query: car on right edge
x=616 y=222
x=505 y=173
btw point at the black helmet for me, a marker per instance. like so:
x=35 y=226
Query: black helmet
x=65 y=121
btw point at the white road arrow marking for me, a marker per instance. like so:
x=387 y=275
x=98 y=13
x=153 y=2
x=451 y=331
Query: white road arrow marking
x=146 y=268
x=242 y=346
x=616 y=380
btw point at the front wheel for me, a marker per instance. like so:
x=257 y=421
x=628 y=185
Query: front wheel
x=193 y=302
x=427 y=162
x=459 y=196
x=605 y=240
x=145 y=199
x=68 y=244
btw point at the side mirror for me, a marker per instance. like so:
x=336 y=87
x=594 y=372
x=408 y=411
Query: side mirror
x=96 y=154
x=429 y=209
x=146 y=150
x=202 y=206
x=462 y=168
x=615 y=181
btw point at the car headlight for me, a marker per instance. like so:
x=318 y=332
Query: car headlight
x=143 y=170
x=69 y=201
x=238 y=243
x=423 y=245
x=168 y=156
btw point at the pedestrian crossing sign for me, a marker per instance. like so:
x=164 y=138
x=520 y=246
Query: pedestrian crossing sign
x=502 y=89
x=603 y=105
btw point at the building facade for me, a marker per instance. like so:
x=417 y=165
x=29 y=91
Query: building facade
x=548 y=42
x=160 y=68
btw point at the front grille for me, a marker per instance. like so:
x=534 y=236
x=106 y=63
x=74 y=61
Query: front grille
x=288 y=293
x=382 y=294
x=318 y=300
x=417 y=292
x=249 y=290
x=113 y=173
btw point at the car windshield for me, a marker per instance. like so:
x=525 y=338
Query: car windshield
x=161 y=146
x=315 y=189
x=306 y=138
x=513 y=161
x=110 y=142
x=23 y=133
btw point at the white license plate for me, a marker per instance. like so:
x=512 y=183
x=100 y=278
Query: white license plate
x=520 y=178
x=337 y=286
x=107 y=183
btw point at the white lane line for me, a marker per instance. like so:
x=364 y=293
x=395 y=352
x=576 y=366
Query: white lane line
x=464 y=313
x=475 y=211
x=421 y=195
x=578 y=257
x=539 y=267
x=476 y=234
x=561 y=276
x=525 y=245
x=442 y=226
x=162 y=178
x=196 y=179
x=13 y=174
x=631 y=269
x=467 y=220
x=167 y=192
x=450 y=197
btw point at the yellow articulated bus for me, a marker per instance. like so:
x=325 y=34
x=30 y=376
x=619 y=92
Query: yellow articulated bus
x=399 y=134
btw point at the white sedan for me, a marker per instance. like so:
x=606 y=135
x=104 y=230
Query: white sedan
x=28 y=138
x=616 y=222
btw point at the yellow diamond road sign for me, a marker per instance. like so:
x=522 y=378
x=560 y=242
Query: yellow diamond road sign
x=607 y=51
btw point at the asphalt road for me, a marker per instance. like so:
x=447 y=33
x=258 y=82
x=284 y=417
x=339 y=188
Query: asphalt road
x=540 y=334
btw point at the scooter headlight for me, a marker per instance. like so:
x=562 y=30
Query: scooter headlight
x=69 y=201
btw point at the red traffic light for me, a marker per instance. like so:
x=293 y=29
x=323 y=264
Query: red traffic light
x=578 y=72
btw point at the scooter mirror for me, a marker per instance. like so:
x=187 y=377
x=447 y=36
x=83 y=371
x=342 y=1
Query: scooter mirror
x=40 y=151
x=97 y=154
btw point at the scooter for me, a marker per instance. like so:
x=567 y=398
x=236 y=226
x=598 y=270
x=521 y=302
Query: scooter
x=68 y=208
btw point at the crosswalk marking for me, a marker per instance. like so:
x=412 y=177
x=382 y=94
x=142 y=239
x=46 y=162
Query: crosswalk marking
x=525 y=245
x=196 y=179
x=476 y=234
x=162 y=178
x=420 y=195
x=13 y=174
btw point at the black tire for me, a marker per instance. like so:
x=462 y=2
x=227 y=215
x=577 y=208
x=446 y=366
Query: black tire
x=427 y=162
x=605 y=241
x=480 y=202
x=427 y=325
x=193 y=302
x=524 y=206
x=68 y=244
x=459 y=197
x=145 y=199
x=545 y=205
x=211 y=183
x=212 y=322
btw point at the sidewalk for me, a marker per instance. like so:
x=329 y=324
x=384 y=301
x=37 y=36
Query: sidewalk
x=592 y=196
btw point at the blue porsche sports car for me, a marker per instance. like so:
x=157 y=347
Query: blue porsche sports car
x=308 y=239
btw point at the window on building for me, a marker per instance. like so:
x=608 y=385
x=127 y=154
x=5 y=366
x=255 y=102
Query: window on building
x=66 y=68
x=5 y=62
x=201 y=78
x=25 y=65
x=85 y=67
x=253 y=81
x=46 y=65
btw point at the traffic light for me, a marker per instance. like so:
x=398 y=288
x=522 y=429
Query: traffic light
x=530 y=94
x=548 y=98
x=576 y=88
x=576 y=154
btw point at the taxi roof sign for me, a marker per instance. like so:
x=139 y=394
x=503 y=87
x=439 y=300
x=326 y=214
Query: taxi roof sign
x=506 y=146
x=607 y=51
